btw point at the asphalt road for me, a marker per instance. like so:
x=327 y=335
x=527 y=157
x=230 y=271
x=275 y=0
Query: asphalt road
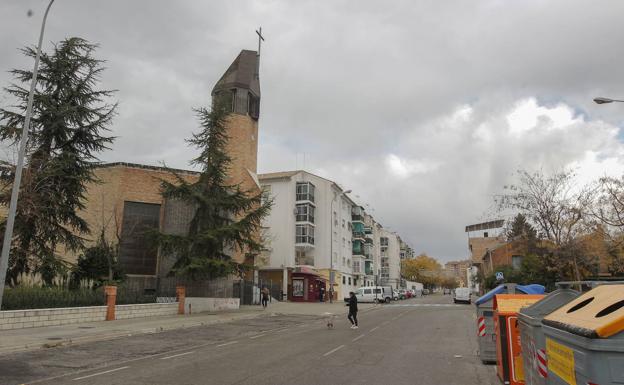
x=419 y=341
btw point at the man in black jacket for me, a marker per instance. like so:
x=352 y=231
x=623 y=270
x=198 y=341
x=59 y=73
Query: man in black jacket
x=352 y=310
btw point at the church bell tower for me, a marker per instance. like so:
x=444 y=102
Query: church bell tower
x=240 y=88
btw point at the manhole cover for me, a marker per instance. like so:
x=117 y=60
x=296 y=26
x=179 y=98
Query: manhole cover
x=54 y=338
x=86 y=327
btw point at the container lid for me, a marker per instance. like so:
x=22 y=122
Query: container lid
x=509 y=304
x=500 y=289
x=599 y=313
x=550 y=303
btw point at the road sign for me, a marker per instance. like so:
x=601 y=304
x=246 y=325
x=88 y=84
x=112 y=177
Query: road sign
x=499 y=276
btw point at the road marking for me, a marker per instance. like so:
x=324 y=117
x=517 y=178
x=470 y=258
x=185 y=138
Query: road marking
x=426 y=305
x=228 y=343
x=333 y=350
x=357 y=338
x=177 y=355
x=97 y=374
x=373 y=329
x=258 y=336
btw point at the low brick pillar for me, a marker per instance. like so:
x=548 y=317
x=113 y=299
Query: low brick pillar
x=180 y=295
x=111 y=300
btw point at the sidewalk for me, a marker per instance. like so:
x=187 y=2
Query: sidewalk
x=53 y=336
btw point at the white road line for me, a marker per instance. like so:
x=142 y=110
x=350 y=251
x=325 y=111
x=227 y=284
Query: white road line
x=375 y=328
x=333 y=350
x=177 y=355
x=258 y=336
x=97 y=374
x=228 y=343
x=357 y=338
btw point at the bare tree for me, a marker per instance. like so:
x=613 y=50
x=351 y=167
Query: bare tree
x=609 y=207
x=557 y=206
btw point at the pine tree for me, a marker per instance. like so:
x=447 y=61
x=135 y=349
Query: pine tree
x=70 y=118
x=226 y=219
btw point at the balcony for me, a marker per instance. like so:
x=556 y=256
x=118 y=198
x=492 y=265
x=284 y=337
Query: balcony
x=305 y=192
x=357 y=215
x=357 y=248
x=368 y=268
x=368 y=230
x=304 y=235
x=368 y=251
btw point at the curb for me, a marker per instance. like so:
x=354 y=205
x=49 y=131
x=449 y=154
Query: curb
x=111 y=336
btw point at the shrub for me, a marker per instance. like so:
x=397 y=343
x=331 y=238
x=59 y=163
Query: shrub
x=42 y=297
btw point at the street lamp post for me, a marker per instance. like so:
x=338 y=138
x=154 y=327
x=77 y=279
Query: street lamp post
x=331 y=245
x=601 y=100
x=8 y=233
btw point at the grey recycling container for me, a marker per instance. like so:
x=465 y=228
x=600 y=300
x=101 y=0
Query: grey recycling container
x=486 y=336
x=584 y=339
x=532 y=337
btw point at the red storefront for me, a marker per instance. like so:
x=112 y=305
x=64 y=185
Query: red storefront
x=307 y=286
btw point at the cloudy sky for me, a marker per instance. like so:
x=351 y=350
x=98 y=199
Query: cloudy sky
x=424 y=108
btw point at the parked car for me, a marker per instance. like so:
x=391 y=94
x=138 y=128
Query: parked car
x=373 y=294
x=408 y=293
x=402 y=294
x=425 y=291
x=447 y=291
x=395 y=295
x=462 y=294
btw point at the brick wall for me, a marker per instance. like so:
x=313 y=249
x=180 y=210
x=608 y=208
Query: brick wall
x=19 y=319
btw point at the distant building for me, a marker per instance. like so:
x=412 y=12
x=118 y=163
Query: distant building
x=458 y=269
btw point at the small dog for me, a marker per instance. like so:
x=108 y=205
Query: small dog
x=330 y=320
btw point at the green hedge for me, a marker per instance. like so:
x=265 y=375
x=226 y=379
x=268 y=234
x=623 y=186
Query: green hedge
x=36 y=297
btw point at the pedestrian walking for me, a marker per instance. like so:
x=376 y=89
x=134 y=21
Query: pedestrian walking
x=321 y=294
x=265 y=297
x=353 y=309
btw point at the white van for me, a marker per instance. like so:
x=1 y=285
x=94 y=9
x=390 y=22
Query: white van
x=373 y=294
x=461 y=294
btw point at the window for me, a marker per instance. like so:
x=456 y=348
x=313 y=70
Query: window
x=356 y=266
x=349 y=280
x=344 y=280
x=383 y=241
x=304 y=234
x=368 y=291
x=377 y=291
x=305 y=191
x=137 y=255
x=343 y=260
x=343 y=223
x=485 y=234
x=305 y=213
x=343 y=242
x=297 y=287
x=253 y=106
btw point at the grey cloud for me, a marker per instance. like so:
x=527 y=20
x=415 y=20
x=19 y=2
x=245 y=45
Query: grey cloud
x=351 y=82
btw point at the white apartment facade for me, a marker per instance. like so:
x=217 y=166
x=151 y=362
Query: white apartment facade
x=310 y=237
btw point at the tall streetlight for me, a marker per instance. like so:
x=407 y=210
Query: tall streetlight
x=8 y=233
x=331 y=245
x=601 y=100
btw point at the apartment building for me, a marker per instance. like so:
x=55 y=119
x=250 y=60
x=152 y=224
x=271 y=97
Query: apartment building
x=311 y=220
x=390 y=260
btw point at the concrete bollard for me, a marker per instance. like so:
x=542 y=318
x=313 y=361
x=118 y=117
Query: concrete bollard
x=111 y=299
x=180 y=295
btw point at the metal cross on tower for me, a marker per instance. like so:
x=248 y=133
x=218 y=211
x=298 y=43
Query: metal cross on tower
x=260 y=40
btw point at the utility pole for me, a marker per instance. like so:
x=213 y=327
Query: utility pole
x=8 y=233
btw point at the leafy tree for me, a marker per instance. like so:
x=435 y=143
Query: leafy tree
x=69 y=121
x=227 y=219
x=98 y=263
x=423 y=269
